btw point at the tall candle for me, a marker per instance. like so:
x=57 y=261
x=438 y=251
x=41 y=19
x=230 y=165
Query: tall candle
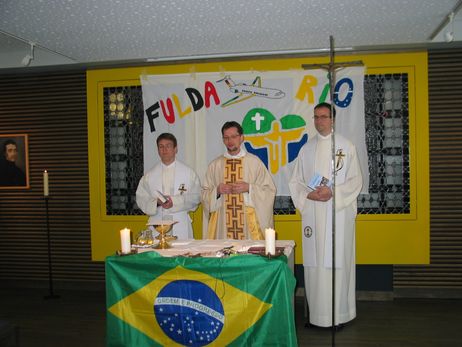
x=270 y=241
x=45 y=183
x=125 y=241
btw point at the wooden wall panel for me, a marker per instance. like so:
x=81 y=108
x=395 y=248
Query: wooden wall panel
x=51 y=108
x=444 y=274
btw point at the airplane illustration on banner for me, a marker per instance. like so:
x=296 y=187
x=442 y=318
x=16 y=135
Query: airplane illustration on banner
x=247 y=91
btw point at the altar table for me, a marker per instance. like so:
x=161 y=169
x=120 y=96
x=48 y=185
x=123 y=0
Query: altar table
x=168 y=299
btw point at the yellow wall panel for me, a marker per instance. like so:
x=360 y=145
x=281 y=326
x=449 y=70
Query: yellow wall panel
x=381 y=239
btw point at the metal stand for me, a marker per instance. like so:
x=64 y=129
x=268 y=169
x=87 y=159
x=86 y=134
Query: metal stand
x=331 y=69
x=51 y=294
x=331 y=92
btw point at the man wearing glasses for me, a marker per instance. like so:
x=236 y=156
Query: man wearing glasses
x=170 y=189
x=310 y=188
x=238 y=191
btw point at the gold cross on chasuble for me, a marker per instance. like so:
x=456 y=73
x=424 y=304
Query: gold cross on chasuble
x=234 y=203
x=340 y=155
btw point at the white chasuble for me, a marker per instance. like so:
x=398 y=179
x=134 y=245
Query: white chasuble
x=183 y=186
x=316 y=157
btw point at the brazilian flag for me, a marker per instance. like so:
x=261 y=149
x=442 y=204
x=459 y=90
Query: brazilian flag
x=243 y=300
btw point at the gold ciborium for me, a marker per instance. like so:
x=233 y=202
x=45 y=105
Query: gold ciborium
x=163 y=228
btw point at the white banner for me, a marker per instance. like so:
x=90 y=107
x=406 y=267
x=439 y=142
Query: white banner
x=274 y=108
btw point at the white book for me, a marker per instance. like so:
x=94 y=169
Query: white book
x=163 y=198
x=319 y=180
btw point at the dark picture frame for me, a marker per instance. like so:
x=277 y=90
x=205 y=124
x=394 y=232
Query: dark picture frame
x=14 y=161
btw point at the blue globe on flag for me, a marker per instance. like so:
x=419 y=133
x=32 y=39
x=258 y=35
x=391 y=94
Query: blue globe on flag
x=189 y=312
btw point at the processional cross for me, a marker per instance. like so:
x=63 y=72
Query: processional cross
x=331 y=68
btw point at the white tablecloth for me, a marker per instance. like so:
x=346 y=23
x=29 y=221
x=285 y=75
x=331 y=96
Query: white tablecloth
x=210 y=248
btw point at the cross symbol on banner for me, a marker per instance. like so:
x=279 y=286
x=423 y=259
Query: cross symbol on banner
x=257 y=119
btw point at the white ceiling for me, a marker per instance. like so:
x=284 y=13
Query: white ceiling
x=89 y=31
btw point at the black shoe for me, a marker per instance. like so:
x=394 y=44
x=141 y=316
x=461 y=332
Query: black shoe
x=337 y=327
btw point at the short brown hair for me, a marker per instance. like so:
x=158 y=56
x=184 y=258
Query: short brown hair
x=166 y=136
x=232 y=124
x=326 y=105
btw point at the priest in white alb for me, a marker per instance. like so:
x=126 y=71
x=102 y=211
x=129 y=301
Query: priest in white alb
x=315 y=205
x=170 y=189
x=238 y=191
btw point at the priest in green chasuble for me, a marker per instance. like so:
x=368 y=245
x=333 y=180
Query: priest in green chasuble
x=238 y=191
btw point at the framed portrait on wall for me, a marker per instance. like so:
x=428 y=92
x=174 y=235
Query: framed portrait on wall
x=14 y=161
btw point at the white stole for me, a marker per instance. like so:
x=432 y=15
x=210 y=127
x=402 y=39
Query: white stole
x=309 y=216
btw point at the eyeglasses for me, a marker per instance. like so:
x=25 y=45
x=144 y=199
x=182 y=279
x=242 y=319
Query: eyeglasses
x=232 y=137
x=321 y=117
x=167 y=146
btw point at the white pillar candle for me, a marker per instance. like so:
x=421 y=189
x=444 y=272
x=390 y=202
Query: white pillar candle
x=270 y=241
x=45 y=183
x=125 y=241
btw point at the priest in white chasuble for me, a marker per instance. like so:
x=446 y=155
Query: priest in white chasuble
x=311 y=193
x=170 y=189
x=238 y=191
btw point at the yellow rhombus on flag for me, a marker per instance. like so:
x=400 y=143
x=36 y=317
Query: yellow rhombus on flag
x=241 y=310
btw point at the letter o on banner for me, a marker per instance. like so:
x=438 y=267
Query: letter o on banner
x=349 y=95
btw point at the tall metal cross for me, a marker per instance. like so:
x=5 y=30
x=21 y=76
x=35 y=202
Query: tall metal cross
x=331 y=68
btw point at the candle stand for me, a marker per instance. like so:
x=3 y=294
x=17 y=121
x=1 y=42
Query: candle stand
x=51 y=294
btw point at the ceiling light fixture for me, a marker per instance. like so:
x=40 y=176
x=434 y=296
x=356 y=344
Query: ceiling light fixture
x=449 y=35
x=29 y=57
x=447 y=20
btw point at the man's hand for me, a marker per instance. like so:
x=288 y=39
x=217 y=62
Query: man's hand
x=168 y=203
x=240 y=187
x=321 y=193
x=233 y=188
x=225 y=188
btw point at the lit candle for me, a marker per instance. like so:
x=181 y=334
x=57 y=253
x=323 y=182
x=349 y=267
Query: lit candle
x=270 y=241
x=125 y=241
x=45 y=183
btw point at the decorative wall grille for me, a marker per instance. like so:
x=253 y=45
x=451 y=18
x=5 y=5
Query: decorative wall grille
x=387 y=137
x=123 y=145
x=387 y=140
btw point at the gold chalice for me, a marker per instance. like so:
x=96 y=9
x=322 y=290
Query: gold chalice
x=163 y=228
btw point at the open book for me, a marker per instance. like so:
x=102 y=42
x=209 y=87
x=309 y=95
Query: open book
x=163 y=198
x=319 y=180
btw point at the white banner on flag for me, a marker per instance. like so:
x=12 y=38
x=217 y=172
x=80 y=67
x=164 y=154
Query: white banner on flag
x=275 y=109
